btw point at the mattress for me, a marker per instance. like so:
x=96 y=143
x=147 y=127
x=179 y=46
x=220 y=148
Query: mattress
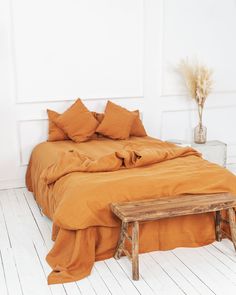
x=74 y=184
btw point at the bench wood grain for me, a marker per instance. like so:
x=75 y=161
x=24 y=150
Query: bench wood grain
x=167 y=207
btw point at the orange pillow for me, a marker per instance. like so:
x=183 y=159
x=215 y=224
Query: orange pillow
x=117 y=122
x=137 y=128
x=77 y=122
x=54 y=132
x=98 y=116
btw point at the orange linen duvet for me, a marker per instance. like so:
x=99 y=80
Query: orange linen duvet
x=74 y=183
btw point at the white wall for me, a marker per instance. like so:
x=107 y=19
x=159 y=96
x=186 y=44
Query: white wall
x=127 y=50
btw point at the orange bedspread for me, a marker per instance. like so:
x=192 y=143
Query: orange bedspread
x=74 y=183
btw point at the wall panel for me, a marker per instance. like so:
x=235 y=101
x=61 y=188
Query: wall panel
x=89 y=48
x=55 y=51
x=202 y=30
x=126 y=50
x=179 y=124
x=37 y=129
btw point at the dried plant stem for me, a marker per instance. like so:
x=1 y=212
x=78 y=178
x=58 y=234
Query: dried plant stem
x=198 y=79
x=200 y=112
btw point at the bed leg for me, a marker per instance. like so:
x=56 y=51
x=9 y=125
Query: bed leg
x=121 y=242
x=218 y=226
x=135 y=251
x=232 y=224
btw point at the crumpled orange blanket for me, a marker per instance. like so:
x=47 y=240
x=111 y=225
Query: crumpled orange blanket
x=75 y=184
x=74 y=161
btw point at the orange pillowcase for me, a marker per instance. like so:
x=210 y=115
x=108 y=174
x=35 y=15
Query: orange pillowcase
x=54 y=132
x=137 y=128
x=117 y=122
x=98 y=116
x=77 y=122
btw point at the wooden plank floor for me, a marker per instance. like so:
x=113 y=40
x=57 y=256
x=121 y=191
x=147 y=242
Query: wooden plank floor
x=25 y=241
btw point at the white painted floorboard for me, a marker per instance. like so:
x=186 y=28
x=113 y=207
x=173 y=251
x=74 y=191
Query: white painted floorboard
x=25 y=239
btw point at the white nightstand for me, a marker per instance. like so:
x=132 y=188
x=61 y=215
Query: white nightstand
x=213 y=151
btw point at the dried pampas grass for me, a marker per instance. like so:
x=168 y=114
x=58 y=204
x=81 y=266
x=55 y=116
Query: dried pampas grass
x=198 y=79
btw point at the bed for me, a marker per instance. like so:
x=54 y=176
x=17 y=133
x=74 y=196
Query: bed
x=74 y=184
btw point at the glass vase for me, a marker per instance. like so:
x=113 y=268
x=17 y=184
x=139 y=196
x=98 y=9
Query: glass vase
x=200 y=134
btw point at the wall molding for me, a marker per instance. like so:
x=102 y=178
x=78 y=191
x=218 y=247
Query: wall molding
x=192 y=109
x=179 y=94
x=231 y=150
x=28 y=118
x=42 y=117
x=166 y=92
x=22 y=101
x=84 y=99
x=21 y=162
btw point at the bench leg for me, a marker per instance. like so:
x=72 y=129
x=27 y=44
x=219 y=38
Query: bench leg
x=218 y=226
x=121 y=242
x=135 y=251
x=232 y=224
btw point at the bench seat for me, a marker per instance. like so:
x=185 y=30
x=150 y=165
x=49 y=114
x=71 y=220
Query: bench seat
x=167 y=207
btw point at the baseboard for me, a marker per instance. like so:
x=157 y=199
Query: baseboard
x=11 y=183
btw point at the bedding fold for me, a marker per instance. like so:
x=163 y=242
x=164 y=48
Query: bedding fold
x=74 y=161
x=74 y=185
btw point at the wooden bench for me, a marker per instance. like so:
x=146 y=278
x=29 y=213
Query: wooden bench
x=154 y=209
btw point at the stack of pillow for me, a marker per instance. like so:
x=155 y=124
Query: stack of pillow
x=79 y=124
